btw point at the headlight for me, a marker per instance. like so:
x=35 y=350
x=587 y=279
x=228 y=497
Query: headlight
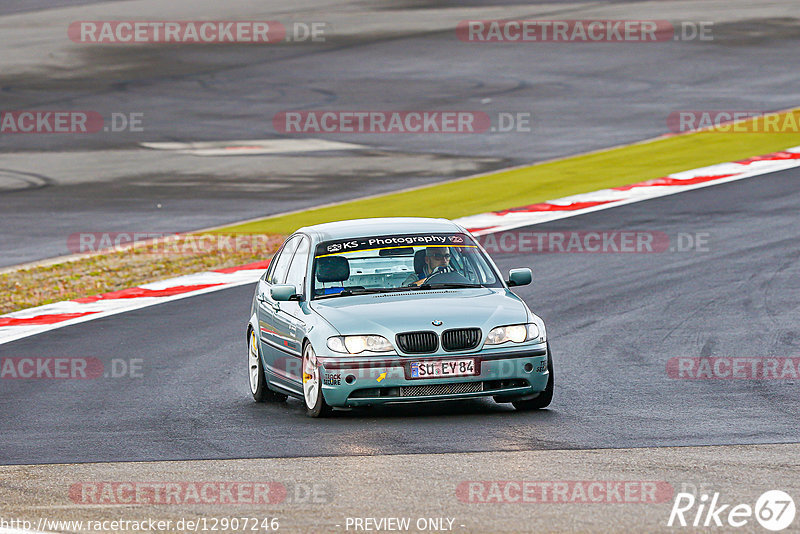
x=518 y=333
x=359 y=344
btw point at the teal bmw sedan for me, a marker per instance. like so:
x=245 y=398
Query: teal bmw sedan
x=393 y=310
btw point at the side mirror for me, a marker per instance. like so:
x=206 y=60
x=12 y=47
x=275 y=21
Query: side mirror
x=519 y=277
x=284 y=292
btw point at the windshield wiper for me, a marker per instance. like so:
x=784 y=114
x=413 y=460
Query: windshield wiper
x=367 y=291
x=450 y=285
x=356 y=291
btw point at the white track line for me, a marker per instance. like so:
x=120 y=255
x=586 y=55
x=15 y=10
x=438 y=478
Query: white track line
x=252 y=147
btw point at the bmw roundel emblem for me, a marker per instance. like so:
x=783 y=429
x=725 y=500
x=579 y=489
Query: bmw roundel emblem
x=437 y=322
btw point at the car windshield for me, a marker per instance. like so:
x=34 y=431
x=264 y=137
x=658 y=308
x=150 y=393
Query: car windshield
x=408 y=262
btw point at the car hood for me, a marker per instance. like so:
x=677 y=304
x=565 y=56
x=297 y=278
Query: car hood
x=389 y=313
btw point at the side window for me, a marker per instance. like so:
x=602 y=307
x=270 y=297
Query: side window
x=280 y=264
x=297 y=269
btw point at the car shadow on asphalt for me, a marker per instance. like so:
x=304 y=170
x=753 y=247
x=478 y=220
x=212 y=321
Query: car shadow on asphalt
x=449 y=408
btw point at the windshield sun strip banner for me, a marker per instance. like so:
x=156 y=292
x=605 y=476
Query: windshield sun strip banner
x=331 y=248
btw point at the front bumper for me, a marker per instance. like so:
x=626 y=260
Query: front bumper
x=369 y=380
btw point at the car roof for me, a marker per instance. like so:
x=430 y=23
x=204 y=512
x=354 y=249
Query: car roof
x=379 y=226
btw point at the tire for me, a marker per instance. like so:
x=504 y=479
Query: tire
x=312 y=385
x=545 y=397
x=258 y=381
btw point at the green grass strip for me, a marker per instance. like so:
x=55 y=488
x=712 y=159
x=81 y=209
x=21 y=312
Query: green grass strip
x=550 y=180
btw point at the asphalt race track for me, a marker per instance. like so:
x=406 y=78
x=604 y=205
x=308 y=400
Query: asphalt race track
x=614 y=321
x=580 y=96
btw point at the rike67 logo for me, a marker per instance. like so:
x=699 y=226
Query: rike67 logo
x=774 y=510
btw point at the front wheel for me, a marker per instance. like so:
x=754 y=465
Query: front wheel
x=545 y=397
x=312 y=385
x=258 y=381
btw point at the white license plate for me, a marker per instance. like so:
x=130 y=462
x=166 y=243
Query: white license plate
x=443 y=368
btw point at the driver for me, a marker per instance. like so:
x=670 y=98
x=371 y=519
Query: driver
x=437 y=260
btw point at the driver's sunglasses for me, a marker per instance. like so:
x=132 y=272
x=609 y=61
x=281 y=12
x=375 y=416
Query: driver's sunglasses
x=440 y=255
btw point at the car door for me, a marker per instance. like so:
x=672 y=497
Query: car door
x=270 y=333
x=290 y=317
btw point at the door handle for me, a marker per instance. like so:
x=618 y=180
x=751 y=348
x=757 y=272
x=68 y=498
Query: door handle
x=265 y=301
